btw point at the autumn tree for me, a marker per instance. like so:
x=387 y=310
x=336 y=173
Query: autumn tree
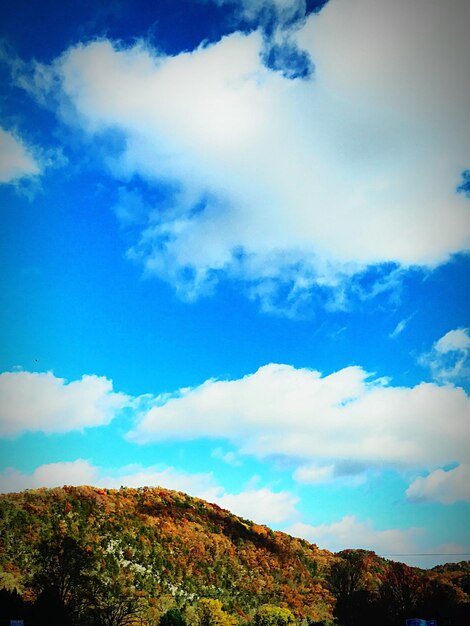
x=269 y=615
x=401 y=591
x=209 y=612
x=444 y=601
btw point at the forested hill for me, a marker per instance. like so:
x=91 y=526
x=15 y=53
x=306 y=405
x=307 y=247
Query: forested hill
x=82 y=555
x=166 y=545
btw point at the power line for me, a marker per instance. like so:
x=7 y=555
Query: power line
x=428 y=554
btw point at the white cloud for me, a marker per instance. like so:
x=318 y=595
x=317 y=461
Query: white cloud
x=16 y=159
x=77 y=472
x=297 y=183
x=349 y=532
x=260 y=505
x=201 y=485
x=313 y=474
x=442 y=486
x=454 y=340
x=252 y=10
x=230 y=457
x=82 y=472
x=31 y=401
x=448 y=359
x=343 y=473
x=344 y=417
x=400 y=327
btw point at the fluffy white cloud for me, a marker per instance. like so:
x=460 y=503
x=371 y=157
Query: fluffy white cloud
x=77 y=472
x=16 y=159
x=454 y=340
x=299 y=182
x=200 y=485
x=352 y=533
x=40 y=401
x=442 y=486
x=260 y=505
x=82 y=472
x=342 y=418
x=448 y=359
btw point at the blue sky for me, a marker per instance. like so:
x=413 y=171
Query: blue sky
x=235 y=260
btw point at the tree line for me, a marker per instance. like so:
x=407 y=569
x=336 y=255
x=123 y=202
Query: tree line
x=399 y=592
x=69 y=586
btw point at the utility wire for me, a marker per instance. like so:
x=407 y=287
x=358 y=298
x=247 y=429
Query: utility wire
x=428 y=554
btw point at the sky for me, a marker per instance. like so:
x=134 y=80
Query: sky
x=235 y=260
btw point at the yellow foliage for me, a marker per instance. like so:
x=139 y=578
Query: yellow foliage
x=209 y=612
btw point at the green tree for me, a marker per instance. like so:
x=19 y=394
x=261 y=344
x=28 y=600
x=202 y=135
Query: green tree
x=269 y=615
x=173 y=617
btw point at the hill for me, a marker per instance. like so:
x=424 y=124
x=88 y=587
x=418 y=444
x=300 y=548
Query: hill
x=139 y=553
x=168 y=546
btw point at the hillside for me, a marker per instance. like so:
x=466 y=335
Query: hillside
x=155 y=549
x=169 y=545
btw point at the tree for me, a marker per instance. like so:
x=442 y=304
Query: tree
x=173 y=617
x=269 y=615
x=116 y=610
x=400 y=593
x=346 y=580
x=209 y=612
x=443 y=601
x=62 y=580
x=118 y=595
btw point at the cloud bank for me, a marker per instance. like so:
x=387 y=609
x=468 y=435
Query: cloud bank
x=31 y=401
x=350 y=532
x=342 y=419
x=289 y=185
